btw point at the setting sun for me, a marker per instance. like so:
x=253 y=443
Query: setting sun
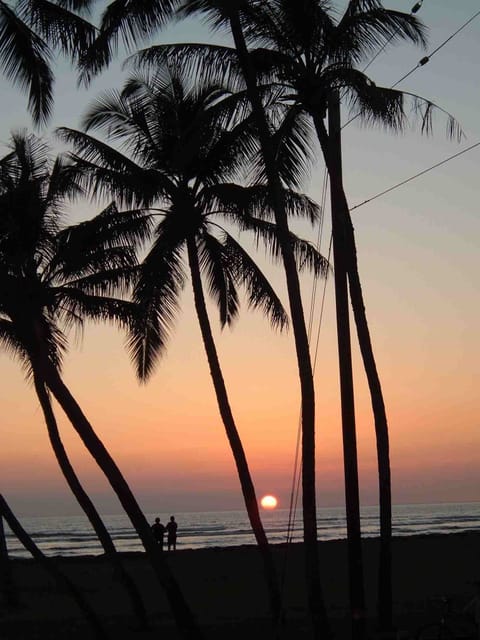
x=269 y=502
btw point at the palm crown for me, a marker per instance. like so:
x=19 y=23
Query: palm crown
x=184 y=143
x=54 y=276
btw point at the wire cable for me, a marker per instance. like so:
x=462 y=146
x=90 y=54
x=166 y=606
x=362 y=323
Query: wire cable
x=426 y=59
x=421 y=62
x=417 y=175
x=413 y=11
x=296 y=476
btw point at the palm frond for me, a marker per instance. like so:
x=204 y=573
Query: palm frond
x=424 y=111
x=63 y=183
x=366 y=27
x=156 y=295
x=214 y=263
x=25 y=59
x=97 y=56
x=82 y=7
x=78 y=306
x=11 y=343
x=216 y=14
x=57 y=25
x=272 y=65
x=133 y=22
x=260 y=293
x=387 y=107
x=105 y=172
x=205 y=63
x=306 y=255
x=294 y=146
x=373 y=104
x=109 y=229
x=243 y=203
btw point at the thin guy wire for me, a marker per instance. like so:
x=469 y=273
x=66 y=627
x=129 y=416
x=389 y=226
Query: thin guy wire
x=296 y=475
x=310 y=326
x=426 y=59
x=423 y=61
x=312 y=306
x=413 y=11
x=417 y=175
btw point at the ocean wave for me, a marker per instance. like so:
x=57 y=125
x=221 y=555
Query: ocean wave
x=75 y=536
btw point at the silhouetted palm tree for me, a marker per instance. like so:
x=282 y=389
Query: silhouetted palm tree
x=53 y=276
x=134 y=21
x=31 y=32
x=306 y=58
x=314 y=57
x=181 y=158
x=86 y=503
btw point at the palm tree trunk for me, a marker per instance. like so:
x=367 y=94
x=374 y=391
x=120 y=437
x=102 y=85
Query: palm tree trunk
x=384 y=588
x=181 y=611
x=87 y=505
x=233 y=436
x=384 y=598
x=50 y=566
x=10 y=595
x=316 y=603
x=352 y=497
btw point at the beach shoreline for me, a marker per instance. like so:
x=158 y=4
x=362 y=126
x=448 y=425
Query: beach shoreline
x=225 y=588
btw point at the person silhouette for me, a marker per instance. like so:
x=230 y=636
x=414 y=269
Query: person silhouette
x=172 y=534
x=158 y=531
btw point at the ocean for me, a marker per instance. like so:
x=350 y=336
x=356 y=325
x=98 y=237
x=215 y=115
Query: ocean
x=73 y=535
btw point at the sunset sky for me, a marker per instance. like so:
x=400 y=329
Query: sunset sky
x=418 y=250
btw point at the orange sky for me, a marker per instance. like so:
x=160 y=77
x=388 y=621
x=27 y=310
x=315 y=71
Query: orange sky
x=419 y=263
x=169 y=441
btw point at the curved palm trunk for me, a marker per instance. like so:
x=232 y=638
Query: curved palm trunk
x=234 y=440
x=352 y=496
x=87 y=505
x=50 y=566
x=181 y=611
x=384 y=600
x=314 y=589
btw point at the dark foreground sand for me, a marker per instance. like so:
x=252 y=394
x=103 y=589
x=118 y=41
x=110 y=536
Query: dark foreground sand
x=225 y=589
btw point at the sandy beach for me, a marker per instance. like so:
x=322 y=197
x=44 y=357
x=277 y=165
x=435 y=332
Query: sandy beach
x=226 y=591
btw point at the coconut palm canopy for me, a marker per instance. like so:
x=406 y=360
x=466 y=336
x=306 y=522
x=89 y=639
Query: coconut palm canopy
x=183 y=145
x=54 y=276
x=302 y=54
x=32 y=32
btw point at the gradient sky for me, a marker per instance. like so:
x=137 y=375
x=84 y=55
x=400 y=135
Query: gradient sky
x=419 y=263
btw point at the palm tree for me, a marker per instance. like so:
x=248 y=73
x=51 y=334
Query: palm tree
x=51 y=276
x=31 y=32
x=315 y=58
x=86 y=503
x=181 y=157
x=306 y=58
x=135 y=21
